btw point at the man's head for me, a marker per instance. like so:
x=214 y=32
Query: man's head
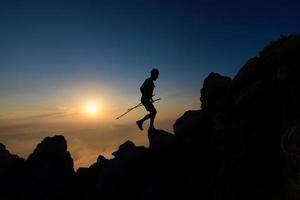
x=154 y=74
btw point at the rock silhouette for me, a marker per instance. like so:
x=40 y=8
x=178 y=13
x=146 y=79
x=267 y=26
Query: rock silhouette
x=11 y=168
x=49 y=170
x=242 y=144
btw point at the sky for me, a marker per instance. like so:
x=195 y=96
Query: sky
x=57 y=56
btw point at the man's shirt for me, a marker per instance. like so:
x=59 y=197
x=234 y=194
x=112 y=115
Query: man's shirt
x=147 y=89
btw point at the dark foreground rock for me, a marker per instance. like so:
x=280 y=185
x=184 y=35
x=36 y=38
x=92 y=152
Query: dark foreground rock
x=11 y=171
x=49 y=170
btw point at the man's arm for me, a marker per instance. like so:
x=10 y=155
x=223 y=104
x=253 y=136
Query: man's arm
x=151 y=99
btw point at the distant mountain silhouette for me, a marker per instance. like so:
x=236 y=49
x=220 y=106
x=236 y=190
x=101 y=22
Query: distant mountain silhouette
x=242 y=144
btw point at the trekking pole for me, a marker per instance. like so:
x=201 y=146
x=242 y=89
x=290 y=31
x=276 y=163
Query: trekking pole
x=138 y=105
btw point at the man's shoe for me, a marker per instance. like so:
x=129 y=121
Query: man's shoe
x=140 y=124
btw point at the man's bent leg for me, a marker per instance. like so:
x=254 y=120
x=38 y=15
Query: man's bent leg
x=152 y=116
x=140 y=122
x=149 y=107
x=146 y=117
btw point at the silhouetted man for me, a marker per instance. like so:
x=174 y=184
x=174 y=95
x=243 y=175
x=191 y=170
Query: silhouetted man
x=147 y=94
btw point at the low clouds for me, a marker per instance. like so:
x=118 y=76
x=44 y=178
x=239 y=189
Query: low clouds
x=87 y=139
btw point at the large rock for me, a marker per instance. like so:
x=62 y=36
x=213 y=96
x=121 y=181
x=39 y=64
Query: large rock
x=193 y=126
x=247 y=74
x=11 y=174
x=265 y=101
x=124 y=176
x=160 y=141
x=50 y=166
x=8 y=160
x=215 y=91
x=191 y=122
x=124 y=148
x=51 y=157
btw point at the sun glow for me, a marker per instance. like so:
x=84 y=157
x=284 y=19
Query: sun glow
x=92 y=108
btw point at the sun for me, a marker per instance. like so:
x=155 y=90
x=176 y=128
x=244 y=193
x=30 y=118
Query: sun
x=92 y=108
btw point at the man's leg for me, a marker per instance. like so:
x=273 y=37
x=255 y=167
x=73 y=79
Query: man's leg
x=149 y=107
x=152 y=116
x=140 y=122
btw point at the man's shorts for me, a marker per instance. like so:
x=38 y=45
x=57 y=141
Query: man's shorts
x=149 y=106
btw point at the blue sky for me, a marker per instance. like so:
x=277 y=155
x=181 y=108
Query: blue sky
x=117 y=41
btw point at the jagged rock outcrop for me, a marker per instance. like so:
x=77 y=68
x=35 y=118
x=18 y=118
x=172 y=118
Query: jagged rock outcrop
x=8 y=160
x=11 y=171
x=215 y=92
x=49 y=166
x=247 y=117
x=128 y=146
x=124 y=176
x=51 y=156
x=161 y=141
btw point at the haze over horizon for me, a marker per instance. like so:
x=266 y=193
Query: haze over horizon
x=58 y=56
